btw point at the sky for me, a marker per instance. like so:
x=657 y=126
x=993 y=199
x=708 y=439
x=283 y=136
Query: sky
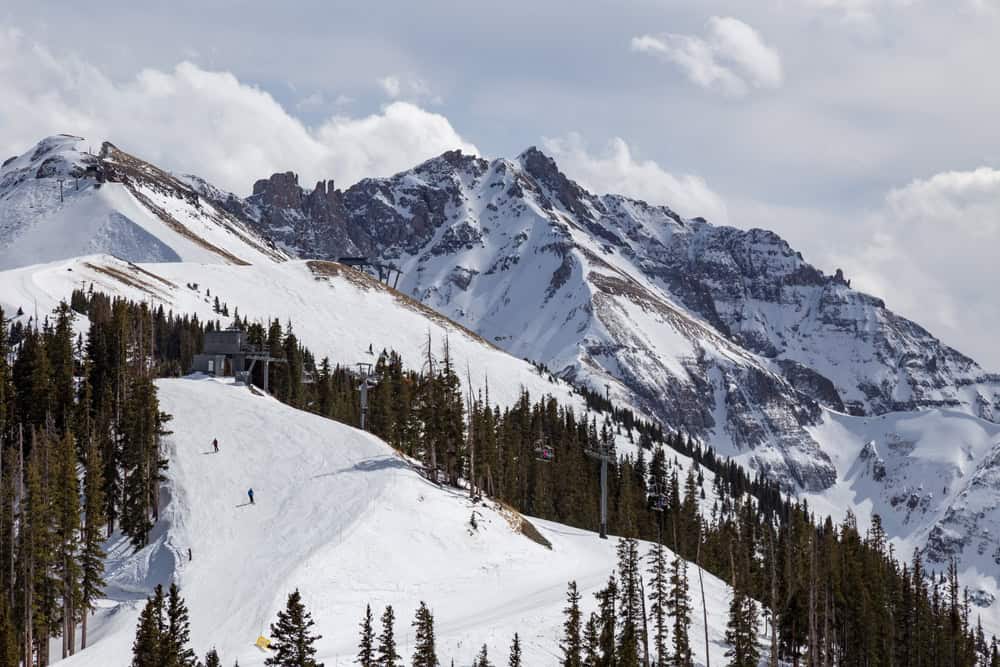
x=865 y=132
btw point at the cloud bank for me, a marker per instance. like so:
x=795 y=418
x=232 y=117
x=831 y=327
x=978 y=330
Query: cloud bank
x=205 y=122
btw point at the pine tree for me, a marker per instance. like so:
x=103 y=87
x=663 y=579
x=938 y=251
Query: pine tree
x=483 y=659
x=679 y=606
x=606 y=623
x=291 y=636
x=212 y=659
x=515 y=652
x=660 y=600
x=592 y=642
x=630 y=606
x=387 y=655
x=571 y=644
x=147 y=650
x=741 y=631
x=424 y=654
x=175 y=651
x=92 y=552
x=366 y=649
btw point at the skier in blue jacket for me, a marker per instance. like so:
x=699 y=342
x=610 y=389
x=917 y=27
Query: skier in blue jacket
x=250 y=493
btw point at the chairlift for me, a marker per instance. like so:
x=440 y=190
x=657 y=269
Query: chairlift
x=657 y=502
x=545 y=454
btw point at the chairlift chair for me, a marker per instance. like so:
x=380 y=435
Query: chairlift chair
x=544 y=453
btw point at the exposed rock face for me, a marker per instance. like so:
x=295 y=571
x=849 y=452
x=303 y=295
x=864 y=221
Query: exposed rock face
x=726 y=333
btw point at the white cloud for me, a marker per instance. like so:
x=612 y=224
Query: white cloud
x=617 y=170
x=193 y=120
x=931 y=252
x=731 y=59
x=390 y=84
x=409 y=88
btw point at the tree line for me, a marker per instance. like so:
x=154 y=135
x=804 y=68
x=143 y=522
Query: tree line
x=828 y=593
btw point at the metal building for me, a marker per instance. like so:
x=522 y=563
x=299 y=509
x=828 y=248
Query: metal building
x=228 y=353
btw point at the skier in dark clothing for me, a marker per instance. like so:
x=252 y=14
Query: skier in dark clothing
x=215 y=444
x=250 y=493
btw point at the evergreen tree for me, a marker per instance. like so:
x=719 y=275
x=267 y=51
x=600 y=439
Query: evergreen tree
x=424 y=653
x=212 y=658
x=92 y=552
x=571 y=644
x=175 y=651
x=741 y=631
x=291 y=636
x=679 y=606
x=630 y=606
x=659 y=596
x=366 y=648
x=515 y=652
x=147 y=650
x=592 y=642
x=606 y=621
x=387 y=655
x=483 y=659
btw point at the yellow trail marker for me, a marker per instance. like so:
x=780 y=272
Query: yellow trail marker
x=263 y=643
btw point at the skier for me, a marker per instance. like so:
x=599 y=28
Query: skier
x=215 y=444
x=250 y=493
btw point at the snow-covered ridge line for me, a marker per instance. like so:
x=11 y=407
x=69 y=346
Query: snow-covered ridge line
x=60 y=201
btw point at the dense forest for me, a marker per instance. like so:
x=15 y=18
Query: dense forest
x=81 y=460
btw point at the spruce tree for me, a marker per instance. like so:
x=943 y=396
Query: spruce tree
x=147 y=650
x=291 y=636
x=592 y=642
x=366 y=648
x=175 y=651
x=92 y=552
x=212 y=658
x=424 y=654
x=741 y=631
x=679 y=606
x=515 y=652
x=387 y=655
x=571 y=645
x=483 y=659
x=659 y=596
x=630 y=606
x=606 y=623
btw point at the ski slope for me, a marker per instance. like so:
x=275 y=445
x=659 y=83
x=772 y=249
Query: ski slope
x=335 y=311
x=342 y=517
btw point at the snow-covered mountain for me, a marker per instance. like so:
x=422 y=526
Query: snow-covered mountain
x=726 y=333
x=58 y=200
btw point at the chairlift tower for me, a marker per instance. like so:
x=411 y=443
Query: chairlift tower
x=602 y=453
x=365 y=371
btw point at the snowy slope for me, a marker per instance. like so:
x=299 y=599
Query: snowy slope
x=933 y=477
x=335 y=311
x=112 y=203
x=340 y=516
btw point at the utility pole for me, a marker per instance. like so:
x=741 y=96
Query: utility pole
x=365 y=371
x=60 y=191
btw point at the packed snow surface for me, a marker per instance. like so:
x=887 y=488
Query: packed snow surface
x=342 y=517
